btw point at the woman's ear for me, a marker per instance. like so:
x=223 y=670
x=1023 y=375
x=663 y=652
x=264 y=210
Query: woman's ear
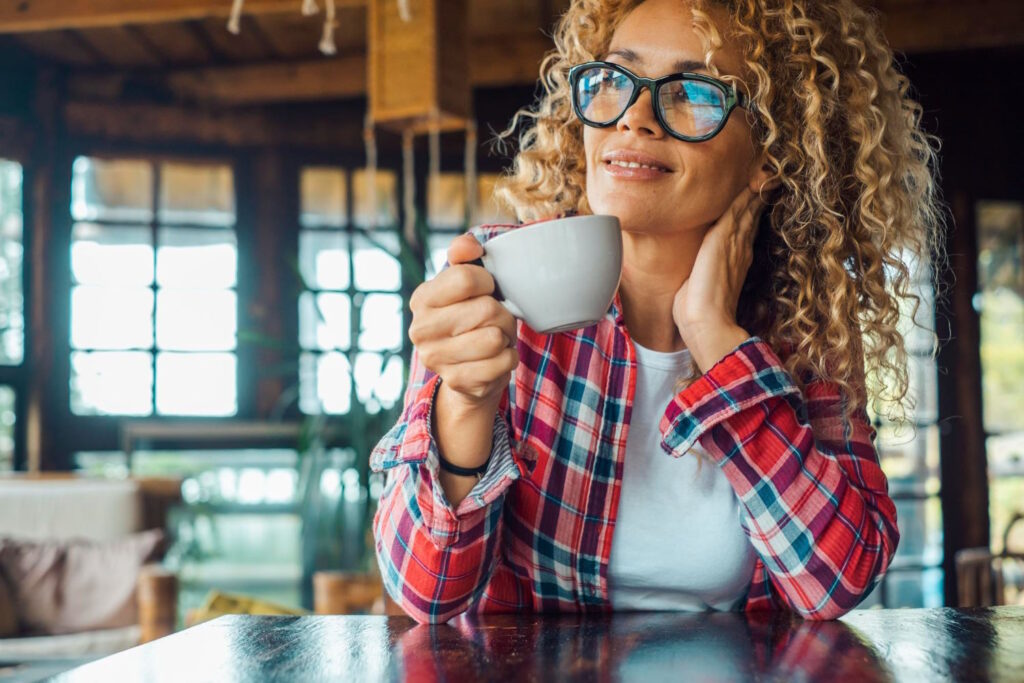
x=762 y=176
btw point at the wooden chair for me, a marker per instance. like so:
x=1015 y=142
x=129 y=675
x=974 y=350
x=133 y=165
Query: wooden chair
x=982 y=575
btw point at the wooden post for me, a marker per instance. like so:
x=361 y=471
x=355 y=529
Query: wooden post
x=157 y=595
x=346 y=593
x=964 y=468
x=43 y=199
x=272 y=310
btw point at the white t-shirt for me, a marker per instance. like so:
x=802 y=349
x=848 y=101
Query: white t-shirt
x=677 y=544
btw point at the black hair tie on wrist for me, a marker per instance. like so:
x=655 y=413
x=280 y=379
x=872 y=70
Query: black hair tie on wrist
x=477 y=472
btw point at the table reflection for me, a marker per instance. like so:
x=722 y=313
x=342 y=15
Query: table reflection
x=638 y=646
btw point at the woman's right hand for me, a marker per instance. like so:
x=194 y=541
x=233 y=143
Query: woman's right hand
x=461 y=332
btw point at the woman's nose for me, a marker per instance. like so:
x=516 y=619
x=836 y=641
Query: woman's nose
x=640 y=117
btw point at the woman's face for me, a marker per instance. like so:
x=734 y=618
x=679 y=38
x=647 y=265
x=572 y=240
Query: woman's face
x=700 y=179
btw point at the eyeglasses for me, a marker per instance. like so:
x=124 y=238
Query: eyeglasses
x=691 y=107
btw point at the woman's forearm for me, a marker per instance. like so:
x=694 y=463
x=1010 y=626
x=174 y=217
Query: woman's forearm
x=464 y=433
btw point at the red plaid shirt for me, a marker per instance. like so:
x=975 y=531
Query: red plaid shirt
x=535 y=532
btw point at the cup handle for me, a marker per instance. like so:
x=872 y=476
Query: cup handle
x=509 y=306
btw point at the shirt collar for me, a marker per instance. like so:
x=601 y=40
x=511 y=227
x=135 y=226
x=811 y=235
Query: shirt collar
x=615 y=311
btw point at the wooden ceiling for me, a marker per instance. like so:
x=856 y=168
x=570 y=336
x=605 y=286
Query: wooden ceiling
x=154 y=34
x=186 y=44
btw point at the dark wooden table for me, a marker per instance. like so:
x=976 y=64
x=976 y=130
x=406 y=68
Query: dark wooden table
x=884 y=645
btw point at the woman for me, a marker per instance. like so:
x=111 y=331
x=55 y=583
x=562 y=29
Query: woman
x=706 y=446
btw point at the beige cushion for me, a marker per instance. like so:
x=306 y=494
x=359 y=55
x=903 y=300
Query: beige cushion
x=100 y=509
x=8 y=617
x=74 y=586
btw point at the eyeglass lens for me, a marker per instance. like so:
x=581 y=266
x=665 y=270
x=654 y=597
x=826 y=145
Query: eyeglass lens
x=690 y=108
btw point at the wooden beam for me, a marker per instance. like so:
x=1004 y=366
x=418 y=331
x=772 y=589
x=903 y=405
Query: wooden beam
x=146 y=124
x=327 y=79
x=493 y=64
x=948 y=25
x=22 y=16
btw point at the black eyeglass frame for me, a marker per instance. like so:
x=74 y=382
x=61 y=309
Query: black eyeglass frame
x=733 y=98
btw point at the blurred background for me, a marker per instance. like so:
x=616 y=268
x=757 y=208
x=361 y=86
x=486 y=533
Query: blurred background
x=206 y=256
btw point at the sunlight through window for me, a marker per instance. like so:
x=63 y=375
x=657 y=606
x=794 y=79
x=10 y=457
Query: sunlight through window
x=154 y=322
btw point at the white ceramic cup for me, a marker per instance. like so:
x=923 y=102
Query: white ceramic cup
x=558 y=275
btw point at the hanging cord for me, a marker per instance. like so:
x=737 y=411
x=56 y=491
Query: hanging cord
x=370 y=143
x=309 y=8
x=403 y=11
x=434 y=170
x=408 y=188
x=327 y=45
x=472 y=191
x=235 y=20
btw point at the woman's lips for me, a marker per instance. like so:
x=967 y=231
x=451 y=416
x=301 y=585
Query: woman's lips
x=633 y=172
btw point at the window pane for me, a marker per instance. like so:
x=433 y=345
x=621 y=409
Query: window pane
x=196 y=258
x=437 y=251
x=196 y=384
x=323 y=259
x=378 y=386
x=111 y=383
x=376 y=262
x=325 y=321
x=1001 y=297
x=1006 y=488
x=111 y=318
x=913 y=589
x=325 y=384
x=910 y=458
x=324 y=201
x=112 y=190
x=196 y=319
x=920 y=524
x=380 y=326
x=487 y=209
x=919 y=337
x=922 y=391
x=1000 y=301
x=198 y=194
x=386 y=199
x=12 y=300
x=7 y=419
x=446 y=201
x=107 y=255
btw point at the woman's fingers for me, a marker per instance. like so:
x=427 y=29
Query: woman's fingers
x=461 y=317
x=453 y=285
x=463 y=249
x=479 y=378
x=475 y=345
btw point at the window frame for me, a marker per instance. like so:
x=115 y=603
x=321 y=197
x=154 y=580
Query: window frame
x=153 y=226
x=75 y=433
x=17 y=376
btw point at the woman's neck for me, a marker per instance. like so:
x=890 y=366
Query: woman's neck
x=654 y=267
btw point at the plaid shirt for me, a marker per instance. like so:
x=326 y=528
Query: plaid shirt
x=535 y=532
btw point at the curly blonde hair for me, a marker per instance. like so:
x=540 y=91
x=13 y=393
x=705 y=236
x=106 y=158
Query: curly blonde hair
x=856 y=194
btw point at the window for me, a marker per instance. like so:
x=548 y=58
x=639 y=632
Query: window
x=350 y=312
x=910 y=459
x=153 y=300
x=1000 y=303
x=12 y=304
x=7 y=418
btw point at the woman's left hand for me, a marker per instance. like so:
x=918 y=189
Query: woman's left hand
x=704 y=309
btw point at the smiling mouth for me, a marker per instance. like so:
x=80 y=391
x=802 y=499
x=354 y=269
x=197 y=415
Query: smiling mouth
x=633 y=164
